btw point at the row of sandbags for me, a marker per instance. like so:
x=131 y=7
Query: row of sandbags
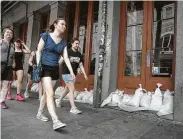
x=143 y=100
x=79 y=96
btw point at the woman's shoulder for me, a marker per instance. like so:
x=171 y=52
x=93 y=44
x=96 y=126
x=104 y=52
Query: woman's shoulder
x=44 y=35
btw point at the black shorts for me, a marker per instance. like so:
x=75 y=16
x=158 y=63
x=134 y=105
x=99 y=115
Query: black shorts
x=18 y=68
x=30 y=70
x=49 y=71
x=7 y=75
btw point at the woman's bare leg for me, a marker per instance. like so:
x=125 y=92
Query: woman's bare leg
x=3 y=93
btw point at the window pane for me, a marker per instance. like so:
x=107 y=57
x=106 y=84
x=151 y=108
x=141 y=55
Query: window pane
x=163 y=34
x=134 y=38
x=83 y=25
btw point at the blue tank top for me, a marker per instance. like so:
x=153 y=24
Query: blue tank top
x=51 y=51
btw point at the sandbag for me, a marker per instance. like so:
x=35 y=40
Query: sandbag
x=126 y=99
x=157 y=99
x=91 y=100
x=107 y=100
x=116 y=99
x=146 y=99
x=59 y=90
x=167 y=107
x=80 y=95
x=135 y=101
x=35 y=87
x=87 y=96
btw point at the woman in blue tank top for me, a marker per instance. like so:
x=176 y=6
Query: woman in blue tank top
x=50 y=48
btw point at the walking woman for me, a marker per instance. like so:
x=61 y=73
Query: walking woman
x=50 y=48
x=76 y=60
x=32 y=63
x=20 y=50
x=7 y=58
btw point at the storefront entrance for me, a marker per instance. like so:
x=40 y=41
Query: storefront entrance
x=147 y=45
x=82 y=19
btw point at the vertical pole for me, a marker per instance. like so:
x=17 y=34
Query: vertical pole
x=102 y=46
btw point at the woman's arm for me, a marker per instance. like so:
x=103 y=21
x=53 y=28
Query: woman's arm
x=14 y=64
x=39 y=51
x=61 y=60
x=83 y=70
x=67 y=61
x=26 y=50
x=31 y=58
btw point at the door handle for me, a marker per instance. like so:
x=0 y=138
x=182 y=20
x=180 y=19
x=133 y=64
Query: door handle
x=148 y=62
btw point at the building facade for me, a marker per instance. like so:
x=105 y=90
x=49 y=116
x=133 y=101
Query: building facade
x=143 y=41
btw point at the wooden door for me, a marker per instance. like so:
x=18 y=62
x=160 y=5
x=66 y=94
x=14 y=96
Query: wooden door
x=132 y=45
x=82 y=18
x=146 y=47
x=161 y=45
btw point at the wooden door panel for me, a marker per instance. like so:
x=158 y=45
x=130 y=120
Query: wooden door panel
x=167 y=82
x=81 y=83
x=147 y=78
x=131 y=82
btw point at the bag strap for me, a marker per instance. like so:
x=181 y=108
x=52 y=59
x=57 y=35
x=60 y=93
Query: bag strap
x=8 y=53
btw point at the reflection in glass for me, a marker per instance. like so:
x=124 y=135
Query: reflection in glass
x=163 y=34
x=83 y=25
x=134 y=38
x=133 y=63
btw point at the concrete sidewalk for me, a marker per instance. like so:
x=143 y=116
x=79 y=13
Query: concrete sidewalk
x=19 y=122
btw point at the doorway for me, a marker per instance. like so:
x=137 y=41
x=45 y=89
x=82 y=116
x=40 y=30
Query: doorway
x=146 y=45
x=82 y=21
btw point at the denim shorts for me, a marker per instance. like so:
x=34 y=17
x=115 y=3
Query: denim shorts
x=68 y=78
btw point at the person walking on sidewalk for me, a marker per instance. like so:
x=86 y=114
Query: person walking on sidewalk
x=76 y=60
x=51 y=46
x=32 y=63
x=7 y=61
x=20 y=50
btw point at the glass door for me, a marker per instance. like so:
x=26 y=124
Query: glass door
x=160 y=45
x=146 y=47
x=132 y=45
x=82 y=19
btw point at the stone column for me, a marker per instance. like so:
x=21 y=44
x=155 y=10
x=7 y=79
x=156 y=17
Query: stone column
x=110 y=73
x=33 y=31
x=178 y=100
x=110 y=64
x=100 y=55
x=33 y=35
x=57 y=10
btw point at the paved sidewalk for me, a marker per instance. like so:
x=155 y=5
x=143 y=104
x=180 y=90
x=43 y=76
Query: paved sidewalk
x=19 y=122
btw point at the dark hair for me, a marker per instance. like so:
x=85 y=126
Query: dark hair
x=74 y=39
x=8 y=28
x=52 y=26
x=20 y=42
